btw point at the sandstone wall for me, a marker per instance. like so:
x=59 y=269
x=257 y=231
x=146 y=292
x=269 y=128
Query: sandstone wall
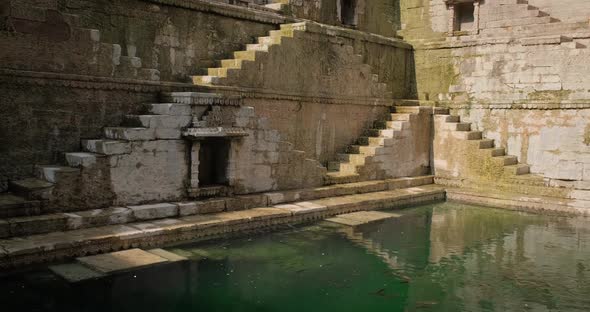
x=565 y=10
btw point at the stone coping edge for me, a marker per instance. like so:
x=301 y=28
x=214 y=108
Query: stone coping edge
x=58 y=246
x=516 y=105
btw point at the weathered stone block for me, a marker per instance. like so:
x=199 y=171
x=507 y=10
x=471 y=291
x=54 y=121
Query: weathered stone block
x=246 y=202
x=4 y=229
x=283 y=197
x=37 y=224
x=201 y=207
x=156 y=211
x=99 y=217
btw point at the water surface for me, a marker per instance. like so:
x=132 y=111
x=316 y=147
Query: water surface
x=440 y=257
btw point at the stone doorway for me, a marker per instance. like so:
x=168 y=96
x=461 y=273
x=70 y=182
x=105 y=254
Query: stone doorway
x=213 y=162
x=348 y=12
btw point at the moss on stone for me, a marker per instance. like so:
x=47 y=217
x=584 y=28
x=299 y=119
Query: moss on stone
x=557 y=95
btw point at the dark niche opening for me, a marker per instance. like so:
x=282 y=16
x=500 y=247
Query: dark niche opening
x=464 y=16
x=348 y=12
x=213 y=161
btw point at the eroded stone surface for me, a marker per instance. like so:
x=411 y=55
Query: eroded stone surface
x=75 y=272
x=155 y=211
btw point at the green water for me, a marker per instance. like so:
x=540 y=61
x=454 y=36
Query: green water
x=441 y=257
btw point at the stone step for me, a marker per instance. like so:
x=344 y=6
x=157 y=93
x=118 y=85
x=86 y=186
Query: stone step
x=355 y=159
x=85 y=35
x=486 y=143
x=129 y=134
x=282 y=32
x=12 y=205
x=573 y=45
x=399 y=117
x=468 y=135
x=232 y=63
x=458 y=126
x=206 y=80
x=81 y=159
x=257 y=47
x=519 y=169
x=507 y=160
x=446 y=118
x=361 y=149
x=31 y=188
x=268 y=40
x=247 y=55
x=172 y=109
x=398 y=125
x=219 y=71
x=157 y=121
x=54 y=174
x=495 y=152
x=342 y=167
x=339 y=178
x=106 y=147
x=275 y=6
x=407 y=109
x=392 y=131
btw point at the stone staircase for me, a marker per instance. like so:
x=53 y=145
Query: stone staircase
x=357 y=163
x=485 y=165
x=239 y=70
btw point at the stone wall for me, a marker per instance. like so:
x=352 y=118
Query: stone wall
x=565 y=10
x=521 y=80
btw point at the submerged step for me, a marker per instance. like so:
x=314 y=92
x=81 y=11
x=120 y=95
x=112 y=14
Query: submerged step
x=362 y=217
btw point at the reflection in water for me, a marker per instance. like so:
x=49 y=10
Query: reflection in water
x=442 y=257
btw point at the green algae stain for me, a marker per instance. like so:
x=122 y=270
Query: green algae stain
x=557 y=96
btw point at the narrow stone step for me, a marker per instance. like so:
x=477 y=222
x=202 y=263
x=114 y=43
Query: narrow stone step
x=217 y=71
x=257 y=47
x=361 y=149
x=486 y=143
x=458 y=126
x=157 y=121
x=508 y=160
x=398 y=125
x=79 y=160
x=205 y=80
x=468 y=135
x=269 y=40
x=12 y=205
x=232 y=63
x=107 y=147
x=171 y=109
x=392 y=132
x=31 y=188
x=519 y=169
x=246 y=55
x=55 y=173
x=495 y=152
x=399 y=117
x=447 y=118
x=362 y=217
x=282 y=33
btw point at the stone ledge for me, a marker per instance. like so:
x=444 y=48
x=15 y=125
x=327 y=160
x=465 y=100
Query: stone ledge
x=23 y=226
x=18 y=252
x=520 y=202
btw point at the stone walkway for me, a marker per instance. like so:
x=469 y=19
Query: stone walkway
x=20 y=251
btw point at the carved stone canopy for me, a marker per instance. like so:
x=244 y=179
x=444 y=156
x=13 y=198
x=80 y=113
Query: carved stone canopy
x=214 y=132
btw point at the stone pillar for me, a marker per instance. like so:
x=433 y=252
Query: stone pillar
x=452 y=21
x=195 y=148
x=475 y=17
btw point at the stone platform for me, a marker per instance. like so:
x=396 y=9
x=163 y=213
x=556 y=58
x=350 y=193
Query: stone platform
x=361 y=217
x=20 y=251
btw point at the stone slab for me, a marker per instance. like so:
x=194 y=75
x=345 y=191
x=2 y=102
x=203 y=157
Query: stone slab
x=121 y=261
x=362 y=217
x=75 y=272
x=303 y=208
x=172 y=257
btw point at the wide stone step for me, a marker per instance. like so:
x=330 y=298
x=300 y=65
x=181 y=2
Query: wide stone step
x=81 y=159
x=458 y=126
x=206 y=80
x=107 y=147
x=520 y=22
x=31 y=188
x=15 y=206
x=339 y=178
x=257 y=47
x=54 y=174
x=400 y=117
